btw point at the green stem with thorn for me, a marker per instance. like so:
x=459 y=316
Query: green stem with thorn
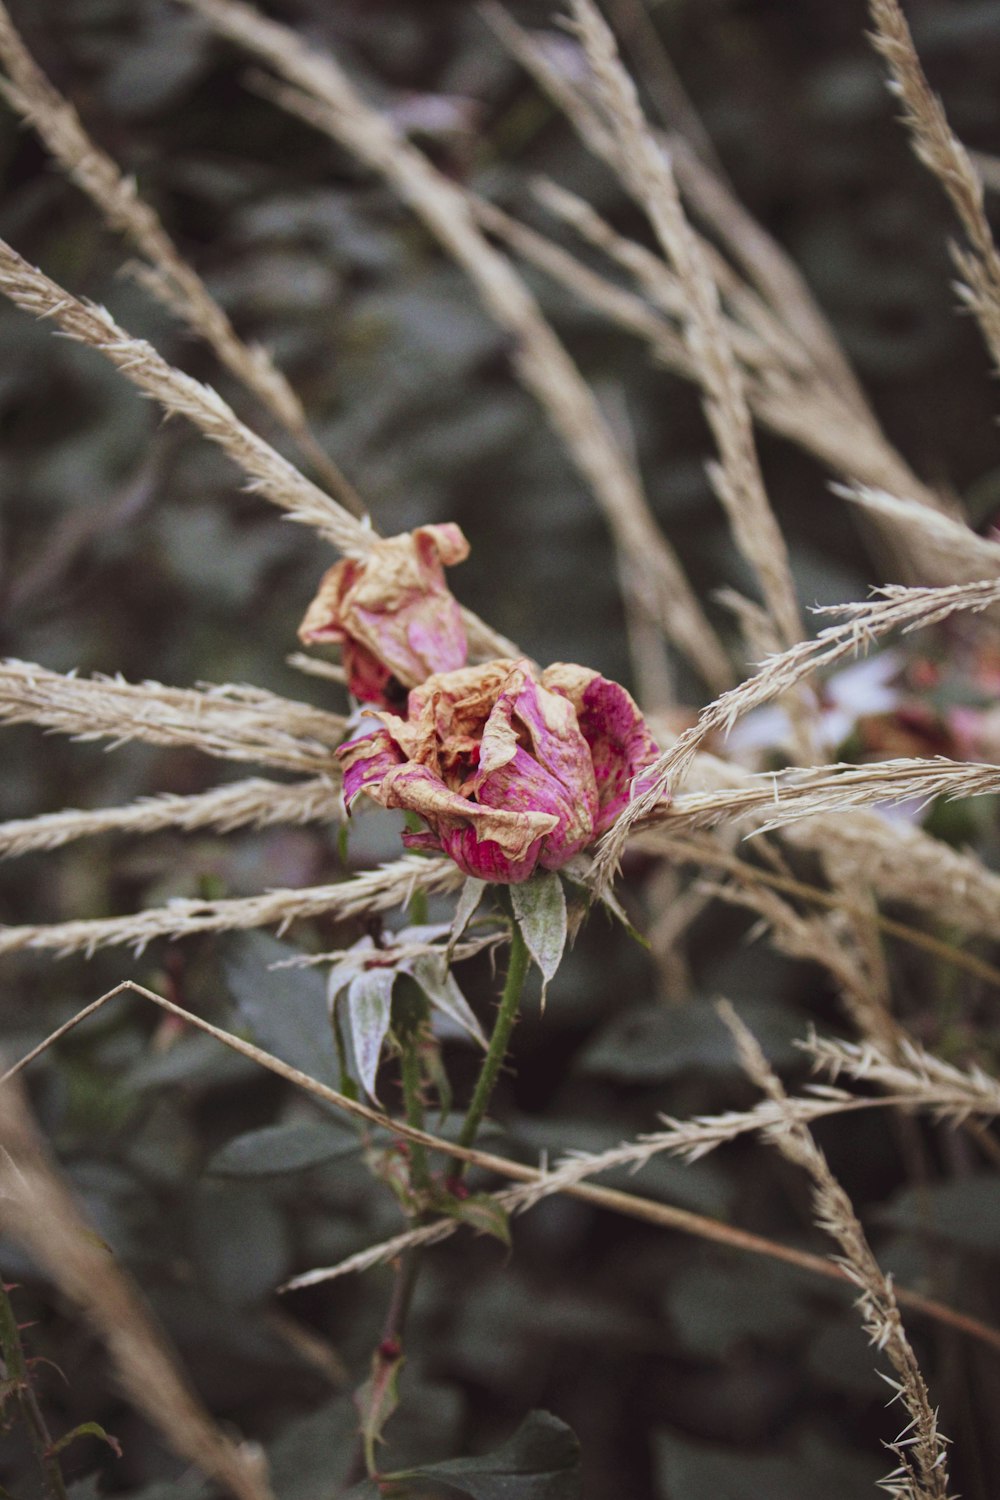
x=517 y=971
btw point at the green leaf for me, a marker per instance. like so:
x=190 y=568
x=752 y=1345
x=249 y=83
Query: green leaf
x=438 y=983
x=469 y=898
x=87 y=1429
x=964 y=1212
x=540 y=1462
x=378 y=1398
x=283 y=1148
x=369 y=1007
x=652 y=1043
x=540 y=912
x=482 y=1213
x=285 y=1008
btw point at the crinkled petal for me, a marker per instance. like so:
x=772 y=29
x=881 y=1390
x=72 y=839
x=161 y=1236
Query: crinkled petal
x=485 y=860
x=366 y=762
x=416 y=789
x=560 y=747
x=393 y=608
x=526 y=789
x=620 y=743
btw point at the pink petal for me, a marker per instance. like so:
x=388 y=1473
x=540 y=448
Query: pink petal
x=524 y=788
x=417 y=789
x=560 y=747
x=620 y=744
x=366 y=762
x=484 y=858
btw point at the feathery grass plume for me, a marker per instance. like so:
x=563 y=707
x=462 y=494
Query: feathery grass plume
x=782 y=797
x=270 y=475
x=647 y=174
x=691 y=1140
x=389 y=886
x=945 y=156
x=37 y=1211
x=901 y=862
x=256 y=803
x=323 y=95
x=948 y=549
x=229 y=721
x=709 y=852
x=168 y=276
x=783 y=392
x=662 y=1215
x=904 y=864
x=922 y=1473
x=835 y=941
x=893 y=608
x=909 y=1072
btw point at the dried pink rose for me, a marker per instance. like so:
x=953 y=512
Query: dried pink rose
x=392 y=613
x=508 y=771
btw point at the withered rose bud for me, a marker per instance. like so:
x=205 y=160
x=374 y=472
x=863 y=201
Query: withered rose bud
x=507 y=770
x=392 y=613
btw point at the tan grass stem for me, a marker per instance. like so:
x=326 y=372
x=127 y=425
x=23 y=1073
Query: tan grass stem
x=893 y=608
x=256 y=803
x=322 y=94
x=38 y=1212
x=612 y=1199
x=940 y=151
x=922 y=1473
x=270 y=475
x=229 y=721
x=376 y=890
x=169 y=276
x=646 y=172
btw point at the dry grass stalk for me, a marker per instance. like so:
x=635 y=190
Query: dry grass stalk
x=949 y=551
x=646 y=172
x=783 y=797
x=783 y=391
x=922 y=1472
x=835 y=941
x=270 y=475
x=767 y=266
x=904 y=864
x=389 y=886
x=172 y=279
x=255 y=803
x=901 y=862
x=708 y=851
x=613 y=1200
x=230 y=721
x=753 y=331
x=323 y=95
x=909 y=1072
x=945 y=156
x=37 y=1211
x=797 y=382
x=660 y=1214
x=893 y=608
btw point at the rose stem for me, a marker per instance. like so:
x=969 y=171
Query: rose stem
x=517 y=970
x=17 y=1372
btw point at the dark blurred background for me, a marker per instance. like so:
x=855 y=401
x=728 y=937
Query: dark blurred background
x=126 y=545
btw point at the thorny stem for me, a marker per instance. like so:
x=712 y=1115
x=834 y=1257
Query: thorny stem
x=412 y=1015
x=420 y=1176
x=517 y=970
x=31 y=1413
